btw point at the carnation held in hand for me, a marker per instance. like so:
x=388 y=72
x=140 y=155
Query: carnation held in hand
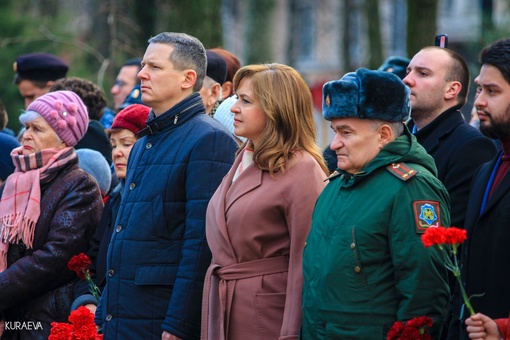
x=448 y=240
x=80 y=265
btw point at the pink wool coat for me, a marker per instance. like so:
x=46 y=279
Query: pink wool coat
x=256 y=229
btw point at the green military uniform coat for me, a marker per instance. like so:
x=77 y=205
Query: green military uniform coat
x=365 y=266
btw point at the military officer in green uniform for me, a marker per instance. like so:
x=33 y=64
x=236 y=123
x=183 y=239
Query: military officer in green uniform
x=365 y=266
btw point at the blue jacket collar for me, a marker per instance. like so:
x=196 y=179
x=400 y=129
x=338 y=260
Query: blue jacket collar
x=178 y=114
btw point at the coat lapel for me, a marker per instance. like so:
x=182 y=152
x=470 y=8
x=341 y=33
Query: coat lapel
x=477 y=193
x=230 y=192
x=502 y=189
x=250 y=179
x=448 y=122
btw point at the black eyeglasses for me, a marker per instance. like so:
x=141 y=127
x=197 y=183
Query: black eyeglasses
x=119 y=83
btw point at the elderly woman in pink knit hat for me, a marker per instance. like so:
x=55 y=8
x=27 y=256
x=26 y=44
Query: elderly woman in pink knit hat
x=49 y=209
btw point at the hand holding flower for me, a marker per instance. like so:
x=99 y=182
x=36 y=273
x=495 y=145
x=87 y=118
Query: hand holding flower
x=443 y=238
x=80 y=265
x=480 y=326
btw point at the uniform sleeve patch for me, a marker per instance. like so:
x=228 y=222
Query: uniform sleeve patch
x=426 y=215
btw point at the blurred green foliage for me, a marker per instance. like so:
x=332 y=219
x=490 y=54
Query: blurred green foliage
x=94 y=37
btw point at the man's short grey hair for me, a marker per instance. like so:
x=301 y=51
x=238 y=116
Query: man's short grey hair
x=209 y=82
x=396 y=127
x=188 y=53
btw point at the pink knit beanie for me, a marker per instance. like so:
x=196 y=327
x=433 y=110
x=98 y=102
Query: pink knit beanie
x=66 y=114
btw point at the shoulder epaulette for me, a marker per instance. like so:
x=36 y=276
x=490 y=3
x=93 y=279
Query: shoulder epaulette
x=401 y=170
x=333 y=175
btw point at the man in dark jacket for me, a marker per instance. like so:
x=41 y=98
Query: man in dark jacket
x=485 y=254
x=439 y=83
x=158 y=254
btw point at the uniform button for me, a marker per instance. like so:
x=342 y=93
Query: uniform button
x=148 y=146
x=305 y=244
x=108 y=317
x=111 y=272
x=132 y=186
x=353 y=245
x=118 y=229
x=357 y=269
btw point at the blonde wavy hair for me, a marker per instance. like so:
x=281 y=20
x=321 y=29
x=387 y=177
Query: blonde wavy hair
x=287 y=101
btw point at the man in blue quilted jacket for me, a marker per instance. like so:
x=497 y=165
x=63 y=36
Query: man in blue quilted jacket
x=158 y=254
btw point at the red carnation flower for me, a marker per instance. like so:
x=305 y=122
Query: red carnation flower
x=448 y=241
x=433 y=236
x=414 y=329
x=396 y=330
x=82 y=327
x=80 y=265
x=455 y=235
x=421 y=321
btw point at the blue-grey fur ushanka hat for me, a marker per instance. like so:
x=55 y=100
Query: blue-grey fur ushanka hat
x=366 y=94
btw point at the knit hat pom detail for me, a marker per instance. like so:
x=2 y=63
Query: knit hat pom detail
x=71 y=121
x=62 y=124
x=58 y=105
x=73 y=108
x=54 y=114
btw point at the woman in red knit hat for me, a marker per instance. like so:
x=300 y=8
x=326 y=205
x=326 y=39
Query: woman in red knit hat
x=123 y=135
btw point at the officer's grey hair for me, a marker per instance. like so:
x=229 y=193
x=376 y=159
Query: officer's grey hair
x=397 y=127
x=188 y=53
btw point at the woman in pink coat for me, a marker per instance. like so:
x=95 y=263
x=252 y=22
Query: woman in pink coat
x=258 y=219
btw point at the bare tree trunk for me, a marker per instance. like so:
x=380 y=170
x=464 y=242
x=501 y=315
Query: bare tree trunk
x=371 y=8
x=487 y=23
x=421 y=24
x=346 y=37
x=259 y=31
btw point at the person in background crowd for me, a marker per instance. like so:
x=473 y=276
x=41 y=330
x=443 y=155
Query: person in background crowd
x=4 y=119
x=94 y=98
x=126 y=80
x=93 y=163
x=123 y=136
x=439 y=83
x=365 y=266
x=7 y=144
x=225 y=116
x=124 y=86
x=270 y=190
x=158 y=254
x=485 y=253
x=214 y=79
x=233 y=64
x=48 y=212
x=36 y=73
x=223 y=113
x=395 y=64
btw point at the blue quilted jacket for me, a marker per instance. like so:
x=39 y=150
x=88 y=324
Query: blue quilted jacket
x=158 y=254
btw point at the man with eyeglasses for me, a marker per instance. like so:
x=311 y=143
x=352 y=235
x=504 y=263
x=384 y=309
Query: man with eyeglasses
x=124 y=84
